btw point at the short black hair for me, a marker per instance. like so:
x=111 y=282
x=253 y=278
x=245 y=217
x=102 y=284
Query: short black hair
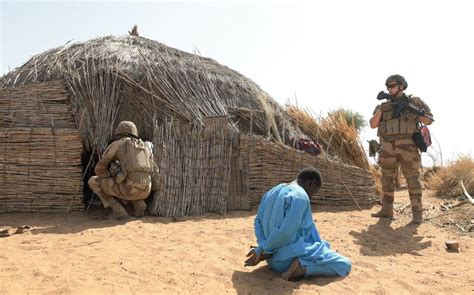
x=310 y=174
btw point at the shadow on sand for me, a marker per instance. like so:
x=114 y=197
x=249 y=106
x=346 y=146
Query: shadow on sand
x=381 y=239
x=66 y=223
x=263 y=280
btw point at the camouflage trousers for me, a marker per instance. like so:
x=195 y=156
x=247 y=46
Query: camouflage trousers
x=401 y=153
x=107 y=188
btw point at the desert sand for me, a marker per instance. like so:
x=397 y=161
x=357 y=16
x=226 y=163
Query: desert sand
x=88 y=253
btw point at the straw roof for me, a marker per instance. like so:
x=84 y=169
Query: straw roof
x=135 y=78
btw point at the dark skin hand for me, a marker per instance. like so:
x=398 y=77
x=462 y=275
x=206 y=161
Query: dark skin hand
x=255 y=258
x=311 y=188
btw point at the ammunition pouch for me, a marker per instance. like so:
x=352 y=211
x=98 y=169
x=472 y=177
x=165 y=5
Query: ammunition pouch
x=374 y=147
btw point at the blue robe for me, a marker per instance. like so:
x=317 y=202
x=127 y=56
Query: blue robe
x=284 y=226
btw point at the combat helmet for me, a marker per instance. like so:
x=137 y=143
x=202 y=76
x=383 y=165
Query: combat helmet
x=126 y=128
x=399 y=79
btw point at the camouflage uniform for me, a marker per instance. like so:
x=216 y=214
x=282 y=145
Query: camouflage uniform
x=133 y=183
x=399 y=149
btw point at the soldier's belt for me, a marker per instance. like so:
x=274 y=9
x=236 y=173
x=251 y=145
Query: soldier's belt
x=394 y=137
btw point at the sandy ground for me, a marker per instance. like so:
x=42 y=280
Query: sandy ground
x=87 y=253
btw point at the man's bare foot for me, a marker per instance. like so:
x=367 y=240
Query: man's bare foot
x=295 y=270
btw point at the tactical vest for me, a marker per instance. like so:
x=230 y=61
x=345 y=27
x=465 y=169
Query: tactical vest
x=137 y=156
x=396 y=128
x=135 y=160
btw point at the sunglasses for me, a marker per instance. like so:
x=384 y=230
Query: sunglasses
x=390 y=86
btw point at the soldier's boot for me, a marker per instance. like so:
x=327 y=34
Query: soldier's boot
x=140 y=207
x=388 y=187
x=415 y=193
x=385 y=212
x=119 y=212
x=417 y=217
x=294 y=271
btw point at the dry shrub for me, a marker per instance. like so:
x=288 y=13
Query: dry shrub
x=339 y=140
x=446 y=182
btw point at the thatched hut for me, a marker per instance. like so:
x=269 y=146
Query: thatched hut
x=192 y=108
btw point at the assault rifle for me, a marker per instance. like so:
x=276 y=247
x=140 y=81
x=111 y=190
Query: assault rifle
x=403 y=105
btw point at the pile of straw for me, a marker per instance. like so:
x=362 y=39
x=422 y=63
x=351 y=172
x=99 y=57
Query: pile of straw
x=446 y=183
x=40 y=150
x=340 y=141
x=133 y=78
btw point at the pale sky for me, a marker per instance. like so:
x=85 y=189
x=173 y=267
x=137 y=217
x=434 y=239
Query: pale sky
x=327 y=54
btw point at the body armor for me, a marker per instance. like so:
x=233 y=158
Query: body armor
x=135 y=159
x=397 y=128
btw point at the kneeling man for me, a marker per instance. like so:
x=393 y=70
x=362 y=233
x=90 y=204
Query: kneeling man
x=287 y=236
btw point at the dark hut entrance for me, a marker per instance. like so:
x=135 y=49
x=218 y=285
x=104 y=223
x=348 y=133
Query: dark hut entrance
x=40 y=150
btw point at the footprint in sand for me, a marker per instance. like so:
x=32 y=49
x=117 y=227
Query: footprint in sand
x=31 y=248
x=406 y=285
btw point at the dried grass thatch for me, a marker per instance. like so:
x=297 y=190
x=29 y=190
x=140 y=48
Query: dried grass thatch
x=340 y=141
x=128 y=77
x=446 y=183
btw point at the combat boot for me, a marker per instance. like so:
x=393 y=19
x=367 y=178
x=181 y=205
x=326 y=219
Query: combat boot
x=417 y=217
x=385 y=212
x=140 y=207
x=118 y=210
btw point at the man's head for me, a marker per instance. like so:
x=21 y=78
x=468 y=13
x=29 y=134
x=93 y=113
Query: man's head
x=310 y=180
x=396 y=84
x=126 y=128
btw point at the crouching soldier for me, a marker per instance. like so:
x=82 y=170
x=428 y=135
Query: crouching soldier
x=132 y=182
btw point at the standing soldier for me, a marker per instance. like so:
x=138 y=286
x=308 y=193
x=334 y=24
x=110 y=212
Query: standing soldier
x=133 y=180
x=398 y=147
